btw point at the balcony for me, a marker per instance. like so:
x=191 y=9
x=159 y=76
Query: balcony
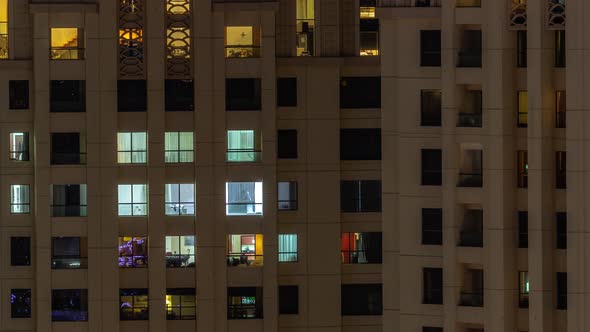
x=470 y=180
x=470 y=120
x=409 y=3
x=471 y=299
x=69 y=210
x=66 y=158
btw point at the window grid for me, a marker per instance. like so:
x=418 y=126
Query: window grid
x=181 y=304
x=180 y=153
x=133 y=207
x=180 y=207
x=288 y=248
x=19 y=199
x=19 y=146
x=134 y=304
x=133 y=155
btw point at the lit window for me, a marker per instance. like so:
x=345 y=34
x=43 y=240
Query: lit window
x=132 y=200
x=523 y=289
x=180 y=199
x=241 y=146
x=242 y=42
x=243 y=198
x=305 y=21
x=244 y=303
x=19 y=146
x=20 y=303
x=180 y=251
x=132 y=148
x=560 y=107
x=245 y=250
x=66 y=44
x=133 y=251
x=361 y=248
x=181 y=304
x=367 y=12
x=3 y=29
x=287 y=192
x=133 y=304
x=523 y=112
x=179 y=147
x=19 y=198
x=288 y=248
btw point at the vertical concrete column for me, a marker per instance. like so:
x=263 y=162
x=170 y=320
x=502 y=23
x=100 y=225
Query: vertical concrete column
x=328 y=27
x=286 y=28
x=541 y=174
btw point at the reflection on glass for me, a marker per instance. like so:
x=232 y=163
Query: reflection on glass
x=66 y=44
x=243 y=198
x=242 y=42
x=133 y=251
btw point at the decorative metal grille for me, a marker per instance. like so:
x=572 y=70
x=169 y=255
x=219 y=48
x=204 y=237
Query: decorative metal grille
x=178 y=39
x=131 y=39
x=518 y=16
x=556 y=14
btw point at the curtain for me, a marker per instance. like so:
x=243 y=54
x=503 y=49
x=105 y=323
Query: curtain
x=287 y=247
x=240 y=140
x=241 y=192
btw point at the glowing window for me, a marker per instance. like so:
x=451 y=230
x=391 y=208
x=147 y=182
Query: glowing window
x=245 y=250
x=3 y=29
x=66 y=44
x=242 y=42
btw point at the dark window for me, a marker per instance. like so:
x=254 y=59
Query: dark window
x=432 y=227
x=181 y=304
x=369 y=36
x=287 y=144
x=470 y=112
x=561 y=290
x=560 y=170
x=244 y=303
x=523 y=169
x=430 y=108
x=68 y=200
x=69 y=253
x=523 y=229
x=18 y=92
x=560 y=109
x=523 y=289
x=433 y=286
x=362 y=299
x=131 y=95
x=20 y=303
x=470 y=51
x=521 y=49
x=560 y=49
x=360 y=196
x=20 y=251
x=432 y=329
x=360 y=144
x=288 y=300
x=287 y=195
x=471 y=171
x=471 y=234
x=180 y=96
x=67 y=96
x=431 y=167
x=242 y=94
x=430 y=48
x=362 y=248
x=69 y=305
x=360 y=92
x=287 y=92
x=133 y=304
x=472 y=289
x=67 y=149
x=561 y=230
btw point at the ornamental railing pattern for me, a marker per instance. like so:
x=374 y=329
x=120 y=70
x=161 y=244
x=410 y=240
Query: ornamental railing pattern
x=178 y=39
x=556 y=14
x=131 y=39
x=518 y=17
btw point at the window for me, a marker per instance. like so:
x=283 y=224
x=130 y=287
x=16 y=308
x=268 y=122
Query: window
x=181 y=304
x=560 y=109
x=287 y=196
x=19 y=146
x=288 y=300
x=360 y=196
x=131 y=50
x=20 y=303
x=523 y=169
x=470 y=110
x=362 y=299
x=69 y=305
x=67 y=44
x=430 y=108
x=360 y=92
x=180 y=96
x=242 y=42
x=523 y=229
x=560 y=49
x=560 y=170
x=19 y=199
x=69 y=253
x=132 y=200
x=432 y=233
x=523 y=289
x=131 y=95
x=180 y=251
x=305 y=22
x=133 y=251
x=430 y=48
x=561 y=291
x=561 y=230
x=20 y=251
x=369 y=36
x=521 y=48
x=472 y=289
x=180 y=199
x=431 y=167
x=361 y=248
x=287 y=91
x=432 y=329
x=67 y=96
x=523 y=109
x=243 y=198
x=471 y=171
x=471 y=233
x=433 y=286
x=243 y=94
x=470 y=52
x=18 y=94
x=244 y=303
x=179 y=147
x=69 y=200
x=242 y=146
x=133 y=304
x=287 y=144
x=288 y=248
x=3 y=29
x=360 y=144
x=68 y=149
x=245 y=250
x=132 y=148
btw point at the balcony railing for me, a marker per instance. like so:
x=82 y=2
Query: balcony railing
x=471 y=239
x=470 y=120
x=518 y=18
x=59 y=263
x=242 y=156
x=244 y=260
x=469 y=58
x=242 y=51
x=471 y=299
x=409 y=3
x=556 y=14
x=69 y=211
x=242 y=311
x=66 y=53
x=470 y=179
x=68 y=158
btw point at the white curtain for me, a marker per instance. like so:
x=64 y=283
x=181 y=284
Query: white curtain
x=287 y=247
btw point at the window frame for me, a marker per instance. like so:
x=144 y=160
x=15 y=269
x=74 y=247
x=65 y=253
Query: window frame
x=257 y=202
x=179 y=203
x=292 y=203
x=291 y=256
x=134 y=315
x=23 y=151
x=181 y=293
x=170 y=258
x=26 y=303
x=180 y=151
x=20 y=207
x=140 y=205
x=131 y=260
x=132 y=152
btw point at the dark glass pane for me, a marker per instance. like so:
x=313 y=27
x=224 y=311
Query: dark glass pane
x=132 y=95
x=523 y=229
x=180 y=96
x=430 y=108
x=20 y=303
x=431 y=167
x=18 y=95
x=433 y=286
x=287 y=91
x=68 y=305
x=287 y=144
x=67 y=96
x=288 y=300
x=20 y=251
x=360 y=144
x=360 y=92
x=561 y=290
x=361 y=299
x=561 y=230
x=432 y=227
x=242 y=94
x=430 y=48
x=521 y=48
x=370 y=196
x=65 y=149
x=349 y=196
